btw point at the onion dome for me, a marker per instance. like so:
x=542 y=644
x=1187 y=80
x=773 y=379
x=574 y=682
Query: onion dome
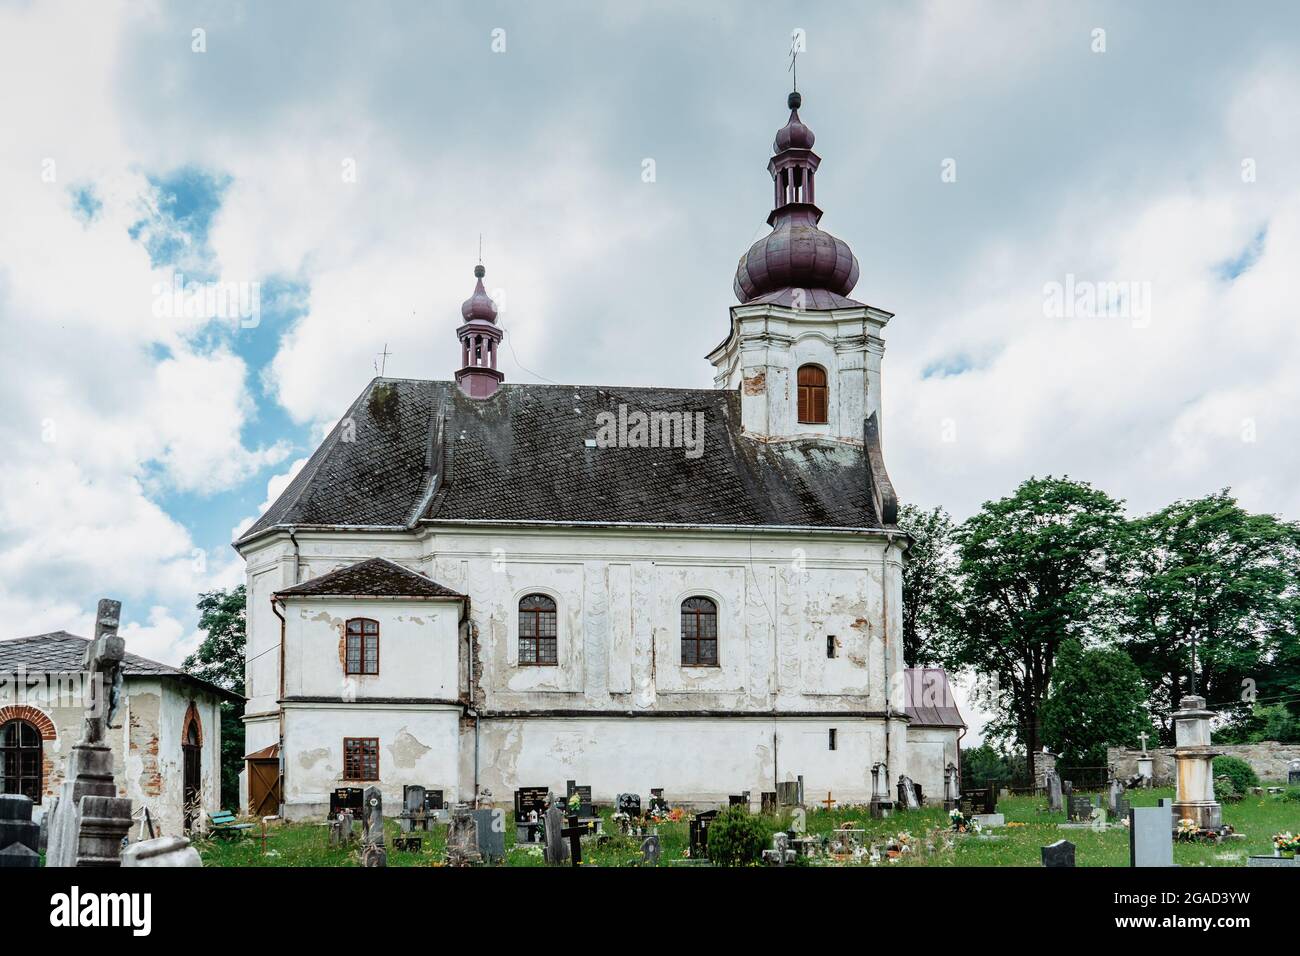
x=479 y=305
x=796 y=254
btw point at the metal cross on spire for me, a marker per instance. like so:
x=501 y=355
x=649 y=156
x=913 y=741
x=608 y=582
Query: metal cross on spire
x=796 y=47
x=383 y=360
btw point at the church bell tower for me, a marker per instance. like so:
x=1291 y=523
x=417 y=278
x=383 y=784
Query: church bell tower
x=480 y=338
x=804 y=355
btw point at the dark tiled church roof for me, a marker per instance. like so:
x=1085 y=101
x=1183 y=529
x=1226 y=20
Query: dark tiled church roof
x=59 y=652
x=377 y=577
x=410 y=449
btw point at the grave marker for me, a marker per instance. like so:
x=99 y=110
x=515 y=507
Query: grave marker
x=1058 y=854
x=1151 y=836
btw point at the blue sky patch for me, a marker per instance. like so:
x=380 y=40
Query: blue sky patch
x=1232 y=268
x=85 y=203
x=175 y=231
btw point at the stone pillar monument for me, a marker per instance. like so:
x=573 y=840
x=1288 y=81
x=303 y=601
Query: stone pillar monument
x=89 y=821
x=1193 y=761
x=1146 y=764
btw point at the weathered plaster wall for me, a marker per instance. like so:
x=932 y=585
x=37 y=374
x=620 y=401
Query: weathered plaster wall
x=1270 y=759
x=418 y=654
x=929 y=750
x=417 y=744
x=696 y=760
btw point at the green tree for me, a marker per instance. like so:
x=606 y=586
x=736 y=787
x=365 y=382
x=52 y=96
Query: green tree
x=985 y=765
x=1097 y=699
x=929 y=583
x=220 y=660
x=1209 y=573
x=1035 y=569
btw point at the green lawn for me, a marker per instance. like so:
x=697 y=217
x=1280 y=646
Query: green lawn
x=1256 y=817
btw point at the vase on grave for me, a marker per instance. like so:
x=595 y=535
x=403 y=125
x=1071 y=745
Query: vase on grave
x=1193 y=762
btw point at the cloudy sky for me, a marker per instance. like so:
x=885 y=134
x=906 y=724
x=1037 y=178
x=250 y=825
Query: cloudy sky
x=343 y=159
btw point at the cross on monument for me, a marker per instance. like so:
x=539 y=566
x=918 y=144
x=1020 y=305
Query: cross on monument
x=574 y=832
x=102 y=663
x=1143 y=737
x=829 y=801
x=1193 y=674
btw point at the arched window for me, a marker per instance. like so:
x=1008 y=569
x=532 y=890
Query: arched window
x=20 y=759
x=537 y=630
x=813 y=395
x=363 y=646
x=699 y=633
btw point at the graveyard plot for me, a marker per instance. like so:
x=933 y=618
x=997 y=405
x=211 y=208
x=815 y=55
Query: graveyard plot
x=928 y=834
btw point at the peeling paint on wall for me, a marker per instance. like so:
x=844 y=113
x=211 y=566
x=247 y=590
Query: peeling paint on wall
x=406 y=749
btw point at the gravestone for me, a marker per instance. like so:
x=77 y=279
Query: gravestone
x=373 y=853
x=18 y=856
x=699 y=834
x=787 y=793
x=780 y=854
x=1060 y=853
x=415 y=808
x=629 y=803
x=89 y=820
x=1114 y=796
x=574 y=832
x=1151 y=836
x=979 y=800
x=1053 y=792
x=557 y=850
x=1293 y=774
x=343 y=828
x=490 y=827
x=585 y=807
x=1079 y=809
x=462 y=837
x=658 y=805
x=1122 y=812
x=346 y=798
x=18 y=831
x=951 y=787
x=650 y=850
x=799 y=821
x=408 y=844
x=767 y=802
x=530 y=808
x=907 y=795
x=881 y=805
x=162 y=851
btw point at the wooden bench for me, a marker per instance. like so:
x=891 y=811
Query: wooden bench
x=222 y=824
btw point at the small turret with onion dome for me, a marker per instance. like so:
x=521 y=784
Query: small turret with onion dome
x=480 y=338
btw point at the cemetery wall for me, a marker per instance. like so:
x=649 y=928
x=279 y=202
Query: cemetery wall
x=1269 y=759
x=417 y=744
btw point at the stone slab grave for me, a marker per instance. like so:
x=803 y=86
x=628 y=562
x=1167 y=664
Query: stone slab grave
x=373 y=852
x=415 y=808
x=1058 y=854
x=1053 y=784
x=530 y=810
x=909 y=794
x=1079 y=809
x=628 y=803
x=89 y=820
x=1293 y=774
x=989 y=820
x=1272 y=861
x=979 y=800
x=20 y=838
x=650 y=850
x=699 y=834
x=1151 y=835
x=586 y=809
x=490 y=827
x=789 y=793
x=462 y=837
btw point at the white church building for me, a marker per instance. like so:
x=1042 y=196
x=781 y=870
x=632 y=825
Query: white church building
x=476 y=586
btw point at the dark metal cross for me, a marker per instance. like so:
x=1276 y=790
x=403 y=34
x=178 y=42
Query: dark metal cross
x=383 y=360
x=793 y=68
x=574 y=832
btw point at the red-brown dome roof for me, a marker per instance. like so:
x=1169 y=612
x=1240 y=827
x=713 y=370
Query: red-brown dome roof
x=796 y=254
x=478 y=305
x=794 y=134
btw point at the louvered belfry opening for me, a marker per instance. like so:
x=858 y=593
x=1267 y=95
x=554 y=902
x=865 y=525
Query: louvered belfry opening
x=814 y=395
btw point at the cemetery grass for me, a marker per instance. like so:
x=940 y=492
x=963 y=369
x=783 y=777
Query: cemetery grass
x=1257 y=817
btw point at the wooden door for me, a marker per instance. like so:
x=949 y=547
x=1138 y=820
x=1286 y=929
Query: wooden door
x=263 y=787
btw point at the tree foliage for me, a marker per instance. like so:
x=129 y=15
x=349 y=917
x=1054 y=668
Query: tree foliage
x=220 y=660
x=1098 y=699
x=929 y=583
x=1034 y=570
x=1208 y=571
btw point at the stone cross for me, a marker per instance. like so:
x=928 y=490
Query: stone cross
x=88 y=821
x=1143 y=737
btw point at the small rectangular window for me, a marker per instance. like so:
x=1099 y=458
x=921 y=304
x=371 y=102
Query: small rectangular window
x=833 y=739
x=360 y=758
x=830 y=645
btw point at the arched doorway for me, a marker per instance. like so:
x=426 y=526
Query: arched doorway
x=192 y=753
x=21 y=761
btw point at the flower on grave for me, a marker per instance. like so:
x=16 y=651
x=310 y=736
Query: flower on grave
x=1187 y=830
x=1286 y=842
x=575 y=803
